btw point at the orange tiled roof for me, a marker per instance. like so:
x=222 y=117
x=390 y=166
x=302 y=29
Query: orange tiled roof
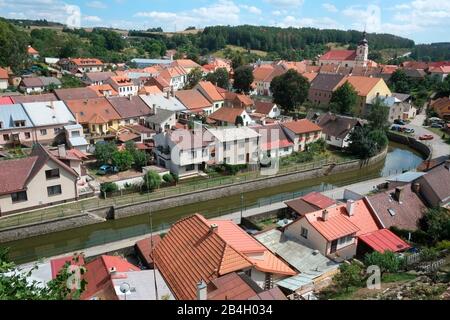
x=211 y=92
x=150 y=90
x=363 y=85
x=310 y=75
x=343 y=55
x=3 y=73
x=95 y=110
x=32 y=50
x=100 y=89
x=226 y=114
x=192 y=99
x=87 y=62
x=122 y=81
x=190 y=252
x=302 y=126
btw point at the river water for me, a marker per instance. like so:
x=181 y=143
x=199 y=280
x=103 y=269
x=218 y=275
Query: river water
x=399 y=159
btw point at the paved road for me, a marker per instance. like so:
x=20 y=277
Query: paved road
x=440 y=148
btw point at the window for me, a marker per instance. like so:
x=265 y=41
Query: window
x=19 y=196
x=27 y=135
x=43 y=132
x=52 y=174
x=54 y=190
x=304 y=233
x=19 y=123
x=241 y=157
x=241 y=144
x=194 y=154
x=6 y=137
x=57 y=130
x=190 y=167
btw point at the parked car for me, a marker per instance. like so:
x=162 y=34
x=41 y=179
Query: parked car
x=396 y=128
x=408 y=130
x=437 y=125
x=426 y=137
x=399 y=122
x=107 y=169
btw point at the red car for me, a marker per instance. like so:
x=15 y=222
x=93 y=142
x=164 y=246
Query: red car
x=426 y=137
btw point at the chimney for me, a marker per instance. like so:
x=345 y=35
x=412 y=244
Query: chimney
x=62 y=151
x=351 y=207
x=447 y=165
x=167 y=94
x=213 y=228
x=399 y=194
x=416 y=188
x=202 y=290
x=76 y=117
x=112 y=270
x=325 y=215
x=130 y=97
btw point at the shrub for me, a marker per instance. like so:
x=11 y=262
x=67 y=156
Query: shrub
x=387 y=261
x=109 y=187
x=152 y=180
x=175 y=177
x=350 y=275
x=428 y=254
x=168 y=178
x=443 y=245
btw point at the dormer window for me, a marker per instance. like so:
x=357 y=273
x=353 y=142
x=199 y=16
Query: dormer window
x=19 y=123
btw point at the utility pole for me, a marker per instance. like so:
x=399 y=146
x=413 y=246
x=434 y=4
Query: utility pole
x=242 y=205
x=151 y=249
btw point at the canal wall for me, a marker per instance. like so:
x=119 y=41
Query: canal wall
x=119 y=212
x=124 y=211
x=411 y=142
x=49 y=226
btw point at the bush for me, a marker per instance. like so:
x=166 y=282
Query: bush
x=428 y=254
x=350 y=275
x=109 y=187
x=152 y=180
x=168 y=178
x=387 y=261
x=175 y=177
x=443 y=245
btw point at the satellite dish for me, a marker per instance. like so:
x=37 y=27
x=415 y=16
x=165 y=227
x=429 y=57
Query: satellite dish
x=124 y=287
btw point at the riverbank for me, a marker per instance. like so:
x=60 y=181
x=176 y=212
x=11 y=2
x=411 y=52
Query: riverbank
x=114 y=212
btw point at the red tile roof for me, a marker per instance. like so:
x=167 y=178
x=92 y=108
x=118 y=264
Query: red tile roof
x=191 y=252
x=31 y=50
x=302 y=126
x=319 y=200
x=57 y=264
x=272 y=137
x=210 y=90
x=98 y=273
x=45 y=97
x=14 y=174
x=81 y=62
x=343 y=55
x=192 y=99
x=230 y=287
x=264 y=107
x=6 y=100
x=94 y=111
x=225 y=114
x=3 y=74
x=384 y=240
x=144 y=250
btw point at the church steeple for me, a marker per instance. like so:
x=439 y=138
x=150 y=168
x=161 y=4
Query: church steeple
x=362 y=51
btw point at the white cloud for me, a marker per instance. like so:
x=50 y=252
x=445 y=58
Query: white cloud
x=92 y=19
x=222 y=12
x=364 y=18
x=320 y=23
x=279 y=13
x=285 y=3
x=251 y=9
x=96 y=5
x=329 y=7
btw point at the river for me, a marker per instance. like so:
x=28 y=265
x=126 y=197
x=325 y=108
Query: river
x=399 y=159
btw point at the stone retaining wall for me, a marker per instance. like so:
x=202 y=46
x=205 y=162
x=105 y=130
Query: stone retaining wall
x=410 y=142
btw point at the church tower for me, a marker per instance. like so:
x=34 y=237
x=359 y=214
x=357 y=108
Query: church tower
x=362 y=52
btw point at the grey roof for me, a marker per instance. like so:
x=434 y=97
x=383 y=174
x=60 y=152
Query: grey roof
x=75 y=93
x=337 y=126
x=326 y=82
x=151 y=61
x=161 y=101
x=46 y=81
x=296 y=282
x=78 y=141
x=48 y=113
x=142 y=285
x=438 y=180
x=301 y=257
x=401 y=96
x=13 y=112
x=73 y=126
x=99 y=76
x=130 y=107
x=406 y=177
x=45 y=97
x=160 y=116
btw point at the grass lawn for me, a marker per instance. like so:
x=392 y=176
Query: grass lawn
x=397 y=277
x=440 y=133
x=220 y=53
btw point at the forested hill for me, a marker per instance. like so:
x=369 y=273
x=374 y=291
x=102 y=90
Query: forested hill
x=279 y=39
x=432 y=52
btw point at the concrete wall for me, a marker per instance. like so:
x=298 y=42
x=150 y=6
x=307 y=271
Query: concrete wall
x=410 y=142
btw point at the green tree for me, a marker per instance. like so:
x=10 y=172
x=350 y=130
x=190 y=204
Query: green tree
x=436 y=223
x=243 y=79
x=104 y=152
x=350 y=275
x=387 y=261
x=365 y=143
x=443 y=88
x=193 y=78
x=290 y=90
x=239 y=121
x=378 y=115
x=13 y=46
x=123 y=160
x=152 y=180
x=400 y=82
x=344 y=99
x=219 y=77
x=140 y=159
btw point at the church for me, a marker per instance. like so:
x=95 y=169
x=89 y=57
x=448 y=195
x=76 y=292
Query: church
x=349 y=58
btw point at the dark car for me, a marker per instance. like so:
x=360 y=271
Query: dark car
x=399 y=122
x=437 y=125
x=107 y=169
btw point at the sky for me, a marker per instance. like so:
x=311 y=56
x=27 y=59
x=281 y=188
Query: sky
x=424 y=21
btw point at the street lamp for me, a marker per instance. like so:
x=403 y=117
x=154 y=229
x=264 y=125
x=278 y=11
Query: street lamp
x=125 y=288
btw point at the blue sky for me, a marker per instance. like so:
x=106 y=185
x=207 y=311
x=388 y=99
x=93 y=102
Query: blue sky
x=421 y=20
